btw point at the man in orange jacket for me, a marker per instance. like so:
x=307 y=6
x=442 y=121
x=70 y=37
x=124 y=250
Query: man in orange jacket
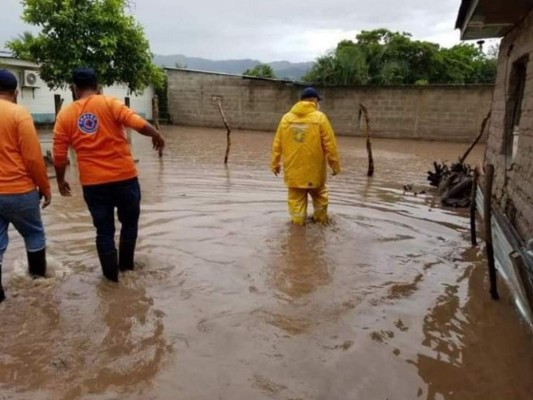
x=23 y=179
x=94 y=126
x=306 y=141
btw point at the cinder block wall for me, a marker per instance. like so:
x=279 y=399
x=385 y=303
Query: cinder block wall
x=450 y=113
x=513 y=183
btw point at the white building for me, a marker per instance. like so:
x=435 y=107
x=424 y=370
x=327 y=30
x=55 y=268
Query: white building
x=35 y=95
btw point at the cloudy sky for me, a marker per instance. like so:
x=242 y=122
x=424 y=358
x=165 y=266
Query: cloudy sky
x=270 y=30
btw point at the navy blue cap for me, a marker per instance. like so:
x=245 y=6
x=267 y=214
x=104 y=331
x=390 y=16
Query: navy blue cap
x=84 y=77
x=8 y=81
x=310 y=92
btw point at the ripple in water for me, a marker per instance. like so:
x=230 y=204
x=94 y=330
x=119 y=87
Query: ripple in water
x=228 y=301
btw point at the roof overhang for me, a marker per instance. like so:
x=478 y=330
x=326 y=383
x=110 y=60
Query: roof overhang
x=15 y=62
x=480 y=19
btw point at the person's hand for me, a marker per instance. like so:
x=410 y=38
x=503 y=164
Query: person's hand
x=47 y=199
x=64 y=188
x=277 y=170
x=158 y=142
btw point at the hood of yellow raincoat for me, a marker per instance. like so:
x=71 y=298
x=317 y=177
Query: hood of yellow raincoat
x=303 y=108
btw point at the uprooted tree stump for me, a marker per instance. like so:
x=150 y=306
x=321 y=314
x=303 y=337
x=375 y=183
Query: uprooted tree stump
x=454 y=182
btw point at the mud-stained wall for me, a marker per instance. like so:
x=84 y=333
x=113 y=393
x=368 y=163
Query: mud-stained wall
x=414 y=112
x=513 y=183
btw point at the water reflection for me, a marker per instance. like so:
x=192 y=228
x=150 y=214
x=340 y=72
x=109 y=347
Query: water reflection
x=301 y=266
x=383 y=304
x=61 y=349
x=132 y=347
x=29 y=332
x=462 y=336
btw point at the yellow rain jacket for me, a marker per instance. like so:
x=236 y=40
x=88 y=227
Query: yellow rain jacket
x=305 y=140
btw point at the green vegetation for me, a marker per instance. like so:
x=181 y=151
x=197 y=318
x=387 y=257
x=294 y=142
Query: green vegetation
x=93 y=33
x=382 y=57
x=162 y=94
x=261 y=71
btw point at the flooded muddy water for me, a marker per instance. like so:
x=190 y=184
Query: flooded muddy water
x=229 y=301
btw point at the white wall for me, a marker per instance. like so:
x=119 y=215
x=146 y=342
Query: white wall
x=40 y=101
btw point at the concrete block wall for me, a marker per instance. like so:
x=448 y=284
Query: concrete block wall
x=451 y=113
x=513 y=183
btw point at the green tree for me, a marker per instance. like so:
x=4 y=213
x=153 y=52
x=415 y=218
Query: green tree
x=346 y=66
x=464 y=63
x=94 y=33
x=261 y=71
x=382 y=57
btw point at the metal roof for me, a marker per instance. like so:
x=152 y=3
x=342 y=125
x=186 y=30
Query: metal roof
x=480 y=19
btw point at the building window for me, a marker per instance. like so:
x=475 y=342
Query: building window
x=515 y=99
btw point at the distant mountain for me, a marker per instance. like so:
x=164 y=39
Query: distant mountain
x=283 y=69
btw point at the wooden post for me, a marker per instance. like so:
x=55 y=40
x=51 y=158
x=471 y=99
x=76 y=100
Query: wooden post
x=477 y=139
x=228 y=129
x=473 y=208
x=155 y=117
x=363 y=112
x=487 y=213
x=58 y=103
x=127 y=102
x=155 y=111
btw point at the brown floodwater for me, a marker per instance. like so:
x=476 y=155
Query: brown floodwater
x=231 y=302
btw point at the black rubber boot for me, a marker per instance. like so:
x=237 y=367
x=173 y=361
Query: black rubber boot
x=126 y=255
x=109 y=265
x=37 y=263
x=2 y=294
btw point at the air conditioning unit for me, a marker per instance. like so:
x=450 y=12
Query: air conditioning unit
x=30 y=79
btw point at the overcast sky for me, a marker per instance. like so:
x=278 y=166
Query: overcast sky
x=270 y=30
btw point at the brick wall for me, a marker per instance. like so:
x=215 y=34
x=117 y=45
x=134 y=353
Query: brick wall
x=514 y=178
x=414 y=112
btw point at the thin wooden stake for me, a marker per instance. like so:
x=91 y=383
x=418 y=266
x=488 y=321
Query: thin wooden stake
x=155 y=117
x=58 y=103
x=477 y=139
x=228 y=137
x=363 y=112
x=473 y=208
x=487 y=214
x=127 y=102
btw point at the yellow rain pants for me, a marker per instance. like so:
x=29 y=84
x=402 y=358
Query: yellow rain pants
x=298 y=204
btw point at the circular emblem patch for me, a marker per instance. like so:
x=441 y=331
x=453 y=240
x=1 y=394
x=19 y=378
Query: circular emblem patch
x=88 y=123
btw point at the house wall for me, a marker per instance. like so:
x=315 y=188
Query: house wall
x=40 y=100
x=514 y=177
x=452 y=113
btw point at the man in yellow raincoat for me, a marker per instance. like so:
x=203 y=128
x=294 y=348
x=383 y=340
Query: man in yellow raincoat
x=305 y=140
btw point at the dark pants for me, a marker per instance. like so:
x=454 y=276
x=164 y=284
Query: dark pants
x=102 y=200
